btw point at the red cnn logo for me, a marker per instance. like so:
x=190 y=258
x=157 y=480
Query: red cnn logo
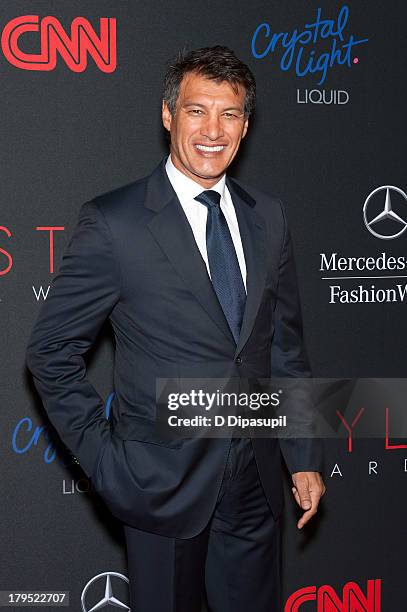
x=73 y=49
x=353 y=599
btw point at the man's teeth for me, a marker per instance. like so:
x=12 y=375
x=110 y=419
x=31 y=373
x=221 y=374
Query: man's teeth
x=210 y=149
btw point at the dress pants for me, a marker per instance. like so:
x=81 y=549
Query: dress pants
x=236 y=558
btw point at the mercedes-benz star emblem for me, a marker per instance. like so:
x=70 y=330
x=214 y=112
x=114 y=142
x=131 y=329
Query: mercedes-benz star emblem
x=387 y=217
x=109 y=600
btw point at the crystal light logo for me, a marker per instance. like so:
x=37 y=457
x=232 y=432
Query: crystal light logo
x=27 y=436
x=297 y=50
x=73 y=49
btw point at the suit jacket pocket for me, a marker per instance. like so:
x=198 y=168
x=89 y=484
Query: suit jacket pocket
x=134 y=427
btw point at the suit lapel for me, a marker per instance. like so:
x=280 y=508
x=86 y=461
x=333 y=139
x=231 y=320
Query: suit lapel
x=172 y=231
x=252 y=233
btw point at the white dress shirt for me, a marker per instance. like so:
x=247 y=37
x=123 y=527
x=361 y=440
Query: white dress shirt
x=196 y=212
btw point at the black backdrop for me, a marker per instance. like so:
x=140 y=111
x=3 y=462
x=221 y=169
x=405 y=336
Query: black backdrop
x=67 y=136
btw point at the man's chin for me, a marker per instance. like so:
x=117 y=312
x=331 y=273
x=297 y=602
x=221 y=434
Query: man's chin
x=209 y=174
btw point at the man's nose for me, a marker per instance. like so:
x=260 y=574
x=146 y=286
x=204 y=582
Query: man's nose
x=213 y=127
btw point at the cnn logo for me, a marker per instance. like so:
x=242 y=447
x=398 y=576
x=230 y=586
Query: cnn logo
x=73 y=48
x=353 y=599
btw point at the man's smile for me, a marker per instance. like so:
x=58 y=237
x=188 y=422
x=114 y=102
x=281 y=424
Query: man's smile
x=210 y=148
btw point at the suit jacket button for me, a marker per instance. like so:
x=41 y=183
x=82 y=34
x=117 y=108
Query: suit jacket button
x=238 y=360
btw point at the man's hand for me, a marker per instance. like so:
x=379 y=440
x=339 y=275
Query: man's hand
x=308 y=489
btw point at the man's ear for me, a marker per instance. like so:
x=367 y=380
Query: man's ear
x=166 y=116
x=245 y=127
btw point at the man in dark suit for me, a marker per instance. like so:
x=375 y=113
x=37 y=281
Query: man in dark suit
x=196 y=273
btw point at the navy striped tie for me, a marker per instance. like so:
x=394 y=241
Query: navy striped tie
x=223 y=263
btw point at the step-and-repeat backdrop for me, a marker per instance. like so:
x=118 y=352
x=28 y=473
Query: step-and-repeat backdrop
x=80 y=115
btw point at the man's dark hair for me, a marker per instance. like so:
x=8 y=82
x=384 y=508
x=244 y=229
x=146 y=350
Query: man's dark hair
x=216 y=63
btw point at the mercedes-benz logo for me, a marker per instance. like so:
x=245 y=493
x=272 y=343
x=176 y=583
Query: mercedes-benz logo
x=109 y=599
x=387 y=214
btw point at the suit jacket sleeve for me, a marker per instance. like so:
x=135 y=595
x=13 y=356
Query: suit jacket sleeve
x=289 y=359
x=81 y=296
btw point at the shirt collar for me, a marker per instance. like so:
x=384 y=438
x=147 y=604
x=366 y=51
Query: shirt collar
x=185 y=188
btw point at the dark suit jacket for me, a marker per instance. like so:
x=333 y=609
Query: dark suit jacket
x=133 y=259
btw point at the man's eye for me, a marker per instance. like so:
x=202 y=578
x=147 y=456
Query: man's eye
x=230 y=116
x=195 y=111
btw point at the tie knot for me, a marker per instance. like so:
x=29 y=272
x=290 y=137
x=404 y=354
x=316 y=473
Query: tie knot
x=209 y=198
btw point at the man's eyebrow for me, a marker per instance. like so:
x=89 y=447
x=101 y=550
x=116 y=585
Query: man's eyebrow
x=193 y=104
x=236 y=108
